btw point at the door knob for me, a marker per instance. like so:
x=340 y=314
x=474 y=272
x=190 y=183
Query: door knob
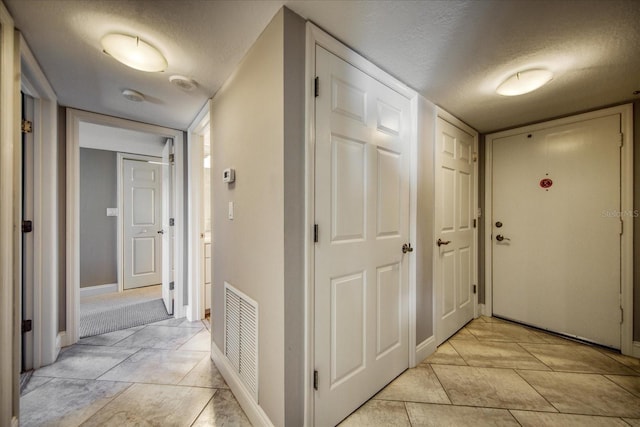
x=500 y=238
x=160 y=231
x=407 y=248
x=441 y=242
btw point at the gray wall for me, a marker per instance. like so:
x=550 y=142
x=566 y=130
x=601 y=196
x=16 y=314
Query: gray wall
x=424 y=226
x=98 y=232
x=247 y=133
x=294 y=196
x=62 y=219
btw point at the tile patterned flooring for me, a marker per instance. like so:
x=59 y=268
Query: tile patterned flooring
x=154 y=375
x=497 y=373
x=491 y=373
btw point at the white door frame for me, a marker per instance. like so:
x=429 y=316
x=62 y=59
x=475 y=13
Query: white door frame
x=46 y=339
x=121 y=157
x=9 y=171
x=315 y=36
x=626 y=200
x=74 y=118
x=195 y=268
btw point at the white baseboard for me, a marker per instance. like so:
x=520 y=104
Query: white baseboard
x=61 y=341
x=482 y=310
x=254 y=412
x=15 y=422
x=425 y=349
x=98 y=290
x=636 y=349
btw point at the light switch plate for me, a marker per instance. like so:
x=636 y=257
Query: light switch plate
x=112 y=211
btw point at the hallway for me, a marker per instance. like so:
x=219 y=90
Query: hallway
x=494 y=372
x=159 y=375
x=491 y=372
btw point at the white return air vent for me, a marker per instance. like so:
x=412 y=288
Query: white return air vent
x=241 y=336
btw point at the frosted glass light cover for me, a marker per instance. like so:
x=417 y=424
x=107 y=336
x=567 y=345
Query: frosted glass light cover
x=524 y=82
x=134 y=53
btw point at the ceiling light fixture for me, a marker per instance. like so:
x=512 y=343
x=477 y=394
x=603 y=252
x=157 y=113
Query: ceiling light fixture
x=133 y=95
x=134 y=53
x=524 y=82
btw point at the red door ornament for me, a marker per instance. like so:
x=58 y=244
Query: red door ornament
x=546 y=183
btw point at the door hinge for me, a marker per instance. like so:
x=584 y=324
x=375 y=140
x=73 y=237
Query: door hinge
x=172 y=285
x=621 y=315
x=316 y=87
x=172 y=222
x=171 y=158
x=474 y=223
x=27 y=126
x=621 y=139
x=27 y=326
x=315 y=233
x=475 y=288
x=621 y=226
x=315 y=380
x=27 y=226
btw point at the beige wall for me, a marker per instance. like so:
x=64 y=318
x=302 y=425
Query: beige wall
x=256 y=132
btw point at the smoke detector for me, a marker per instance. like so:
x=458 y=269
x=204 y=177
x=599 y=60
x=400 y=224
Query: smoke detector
x=133 y=95
x=184 y=83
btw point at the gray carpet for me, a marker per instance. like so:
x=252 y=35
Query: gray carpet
x=114 y=312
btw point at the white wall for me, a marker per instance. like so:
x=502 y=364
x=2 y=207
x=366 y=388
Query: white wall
x=247 y=133
x=110 y=138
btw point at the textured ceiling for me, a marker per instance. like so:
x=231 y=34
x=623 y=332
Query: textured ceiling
x=453 y=52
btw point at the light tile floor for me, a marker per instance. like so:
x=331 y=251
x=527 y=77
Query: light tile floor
x=497 y=373
x=491 y=373
x=154 y=375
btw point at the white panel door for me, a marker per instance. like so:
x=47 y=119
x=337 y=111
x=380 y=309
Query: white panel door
x=142 y=201
x=556 y=229
x=362 y=211
x=455 y=254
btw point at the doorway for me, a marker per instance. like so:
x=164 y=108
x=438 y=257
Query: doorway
x=115 y=134
x=560 y=220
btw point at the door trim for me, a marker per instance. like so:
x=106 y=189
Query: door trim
x=45 y=209
x=317 y=37
x=121 y=157
x=454 y=121
x=195 y=267
x=626 y=201
x=74 y=118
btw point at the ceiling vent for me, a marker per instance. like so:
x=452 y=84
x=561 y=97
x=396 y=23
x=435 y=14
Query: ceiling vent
x=184 y=83
x=133 y=95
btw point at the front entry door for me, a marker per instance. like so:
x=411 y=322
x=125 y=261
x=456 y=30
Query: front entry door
x=362 y=212
x=556 y=229
x=142 y=202
x=455 y=259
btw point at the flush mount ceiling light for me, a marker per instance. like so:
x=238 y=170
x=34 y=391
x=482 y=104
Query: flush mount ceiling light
x=134 y=53
x=524 y=82
x=133 y=95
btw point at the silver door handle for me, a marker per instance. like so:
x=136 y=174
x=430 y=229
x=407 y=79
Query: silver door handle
x=160 y=231
x=441 y=242
x=500 y=238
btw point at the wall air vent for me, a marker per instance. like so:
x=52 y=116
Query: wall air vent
x=241 y=336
